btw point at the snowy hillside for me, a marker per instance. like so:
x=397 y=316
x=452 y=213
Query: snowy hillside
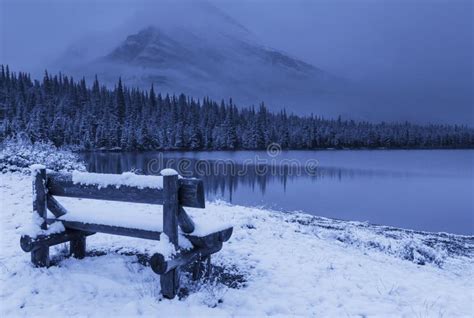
x=274 y=264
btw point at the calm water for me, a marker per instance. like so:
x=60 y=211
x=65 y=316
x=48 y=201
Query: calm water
x=429 y=190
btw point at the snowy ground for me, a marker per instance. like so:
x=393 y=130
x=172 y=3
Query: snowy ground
x=274 y=264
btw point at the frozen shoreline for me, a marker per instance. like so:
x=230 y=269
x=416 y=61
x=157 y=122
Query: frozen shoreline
x=292 y=264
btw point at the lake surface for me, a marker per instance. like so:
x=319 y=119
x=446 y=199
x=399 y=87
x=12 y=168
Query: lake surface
x=430 y=190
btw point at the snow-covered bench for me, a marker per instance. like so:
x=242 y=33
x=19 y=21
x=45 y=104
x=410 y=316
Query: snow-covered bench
x=169 y=190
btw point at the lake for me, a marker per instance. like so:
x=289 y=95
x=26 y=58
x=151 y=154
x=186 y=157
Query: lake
x=429 y=190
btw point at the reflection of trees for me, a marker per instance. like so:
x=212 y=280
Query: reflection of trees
x=224 y=177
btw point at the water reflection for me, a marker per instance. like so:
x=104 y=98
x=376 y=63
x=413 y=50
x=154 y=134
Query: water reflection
x=223 y=177
x=423 y=190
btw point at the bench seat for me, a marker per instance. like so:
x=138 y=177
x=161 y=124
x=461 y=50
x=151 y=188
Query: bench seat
x=91 y=216
x=148 y=218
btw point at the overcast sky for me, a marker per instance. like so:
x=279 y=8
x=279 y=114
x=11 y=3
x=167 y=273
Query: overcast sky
x=421 y=50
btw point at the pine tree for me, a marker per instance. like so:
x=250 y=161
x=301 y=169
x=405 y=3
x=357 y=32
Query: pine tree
x=69 y=113
x=120 y=102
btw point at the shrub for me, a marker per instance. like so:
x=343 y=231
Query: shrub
x=19 y=153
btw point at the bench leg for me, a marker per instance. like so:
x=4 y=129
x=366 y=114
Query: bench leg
x=77 y=247
x=198 y=270
x=202 y=268
x=208 y=267
x=40 y=257
x=170 y=283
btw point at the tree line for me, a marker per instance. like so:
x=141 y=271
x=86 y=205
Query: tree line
x=70 y=113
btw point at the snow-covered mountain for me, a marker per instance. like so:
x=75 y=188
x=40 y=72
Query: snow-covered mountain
x=211 y=55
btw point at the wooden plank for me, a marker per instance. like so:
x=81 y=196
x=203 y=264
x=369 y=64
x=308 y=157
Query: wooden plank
x=191 y=192
x=170 y=280
x=77 y=247
x=185 y=222
x=162 y=266
x=39 y=195
x=29 y=244
x=110 y=229
x=224 y=235
x=40 y=256
x=61 y=184
x=210 y=239
x=198 y=241
x=170 y=208
x=55 y=207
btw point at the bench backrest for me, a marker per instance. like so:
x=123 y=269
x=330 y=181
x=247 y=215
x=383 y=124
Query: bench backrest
x=169 y=190
x=126 y=188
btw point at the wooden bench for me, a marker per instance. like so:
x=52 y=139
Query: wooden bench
x=168 y=190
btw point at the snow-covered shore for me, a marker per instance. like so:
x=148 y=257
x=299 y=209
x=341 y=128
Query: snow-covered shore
x=274 y=264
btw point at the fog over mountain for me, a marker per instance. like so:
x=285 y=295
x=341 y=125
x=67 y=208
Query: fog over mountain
x=396 y=61
x=224 y=61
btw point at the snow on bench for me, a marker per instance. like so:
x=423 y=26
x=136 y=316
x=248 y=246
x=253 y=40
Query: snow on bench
x=84 y=217
x=130 y=215
x=125 y=179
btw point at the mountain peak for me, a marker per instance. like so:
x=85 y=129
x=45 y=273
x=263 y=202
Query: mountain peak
x=198 y=15
x=207 y=53
x=149 y=47
x=152 y=46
